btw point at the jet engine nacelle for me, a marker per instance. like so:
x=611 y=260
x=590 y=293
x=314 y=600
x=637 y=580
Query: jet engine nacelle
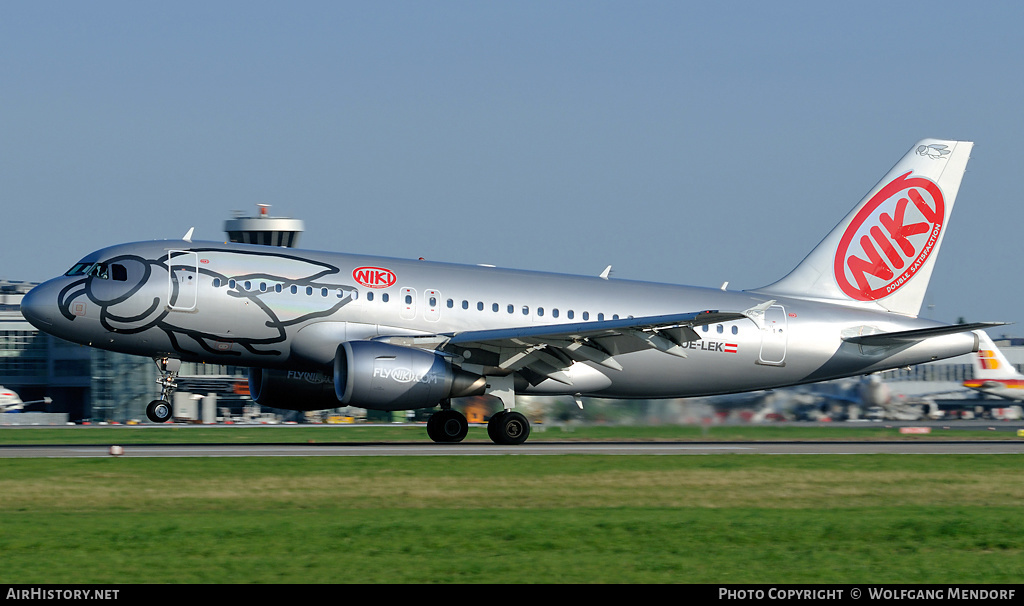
x=381 y=376
x=292 y=390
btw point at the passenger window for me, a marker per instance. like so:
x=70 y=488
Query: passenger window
x=384 y=297
x=323 y=292
x=494 y=307
x=369 y=296
x=511 y=308
x=586 y=315
x=216 y=282
x=248 y=285
x=433 y=301
x=408 y=299
x=540 y=311
x=309 y=291
x=600 y=317
x=263 y=287
x=465 y=304
x=295 y=289
x=720 y=329
x=569 y=314
x=451 y=304
x=231 y=284
x=526 y=310
x=479 y=305
x=554 y=313
x=735 y=329
x=278 y=288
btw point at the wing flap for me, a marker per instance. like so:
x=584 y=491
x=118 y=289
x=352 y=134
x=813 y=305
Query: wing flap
x=547 y=351
x=589 y=330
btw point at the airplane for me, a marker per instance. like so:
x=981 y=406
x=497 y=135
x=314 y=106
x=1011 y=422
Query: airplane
x=11 y=402
x=320 y=330
x=993 y=373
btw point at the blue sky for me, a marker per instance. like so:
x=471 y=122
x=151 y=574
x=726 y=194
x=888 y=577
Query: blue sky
x=683 y=143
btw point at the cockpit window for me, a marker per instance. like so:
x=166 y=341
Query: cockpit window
x=79 y=269
x=98 y=270
x=119 y=272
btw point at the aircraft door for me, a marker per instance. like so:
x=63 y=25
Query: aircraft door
x=183 y=280
x=407 y=299
x=774 y=335
x=431 y=305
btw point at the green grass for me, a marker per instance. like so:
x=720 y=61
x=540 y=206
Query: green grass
x=514 y=519
x=241 y=434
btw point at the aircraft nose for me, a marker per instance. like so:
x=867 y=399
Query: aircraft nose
x=39 y=306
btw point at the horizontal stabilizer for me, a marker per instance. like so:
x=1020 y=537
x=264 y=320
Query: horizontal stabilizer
x=912 y=336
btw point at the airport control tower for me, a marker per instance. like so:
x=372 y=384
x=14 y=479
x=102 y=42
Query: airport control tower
x=264 y=229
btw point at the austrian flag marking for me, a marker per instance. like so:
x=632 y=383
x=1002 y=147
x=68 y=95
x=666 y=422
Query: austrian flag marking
x=890 y=238
x=712 y=346
x=374 y=277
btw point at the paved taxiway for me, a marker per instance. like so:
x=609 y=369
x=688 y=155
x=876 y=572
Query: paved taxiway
x=538 y=448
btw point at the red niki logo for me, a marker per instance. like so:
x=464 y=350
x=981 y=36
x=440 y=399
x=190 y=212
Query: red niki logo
x=890 y=238
x=374 y=277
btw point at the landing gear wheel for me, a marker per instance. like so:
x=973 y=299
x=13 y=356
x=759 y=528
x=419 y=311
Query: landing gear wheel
x=447 y=426
x=159 y=411
x=508 y=428
x=493 y=422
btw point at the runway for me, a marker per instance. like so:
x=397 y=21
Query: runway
x=536 y=449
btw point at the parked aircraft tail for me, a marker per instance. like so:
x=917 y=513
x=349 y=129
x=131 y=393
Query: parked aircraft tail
x=990 y=363
x=883 y=253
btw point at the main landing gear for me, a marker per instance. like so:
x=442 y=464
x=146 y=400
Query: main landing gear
x=507 y=427
x=160 y=411
x=447 y=425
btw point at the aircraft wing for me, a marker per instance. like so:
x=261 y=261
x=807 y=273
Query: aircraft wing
x=544 y=352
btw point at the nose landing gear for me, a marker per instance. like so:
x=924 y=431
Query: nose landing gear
x=160 y=411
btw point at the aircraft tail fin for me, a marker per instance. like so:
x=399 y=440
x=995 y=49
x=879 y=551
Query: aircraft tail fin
x=882 y=254
x=990 y=363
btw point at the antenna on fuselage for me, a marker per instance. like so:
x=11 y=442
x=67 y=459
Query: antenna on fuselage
x=607 y=271
x=188 y=234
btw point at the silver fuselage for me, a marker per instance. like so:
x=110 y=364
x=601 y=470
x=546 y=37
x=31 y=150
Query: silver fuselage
x=279 y=308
